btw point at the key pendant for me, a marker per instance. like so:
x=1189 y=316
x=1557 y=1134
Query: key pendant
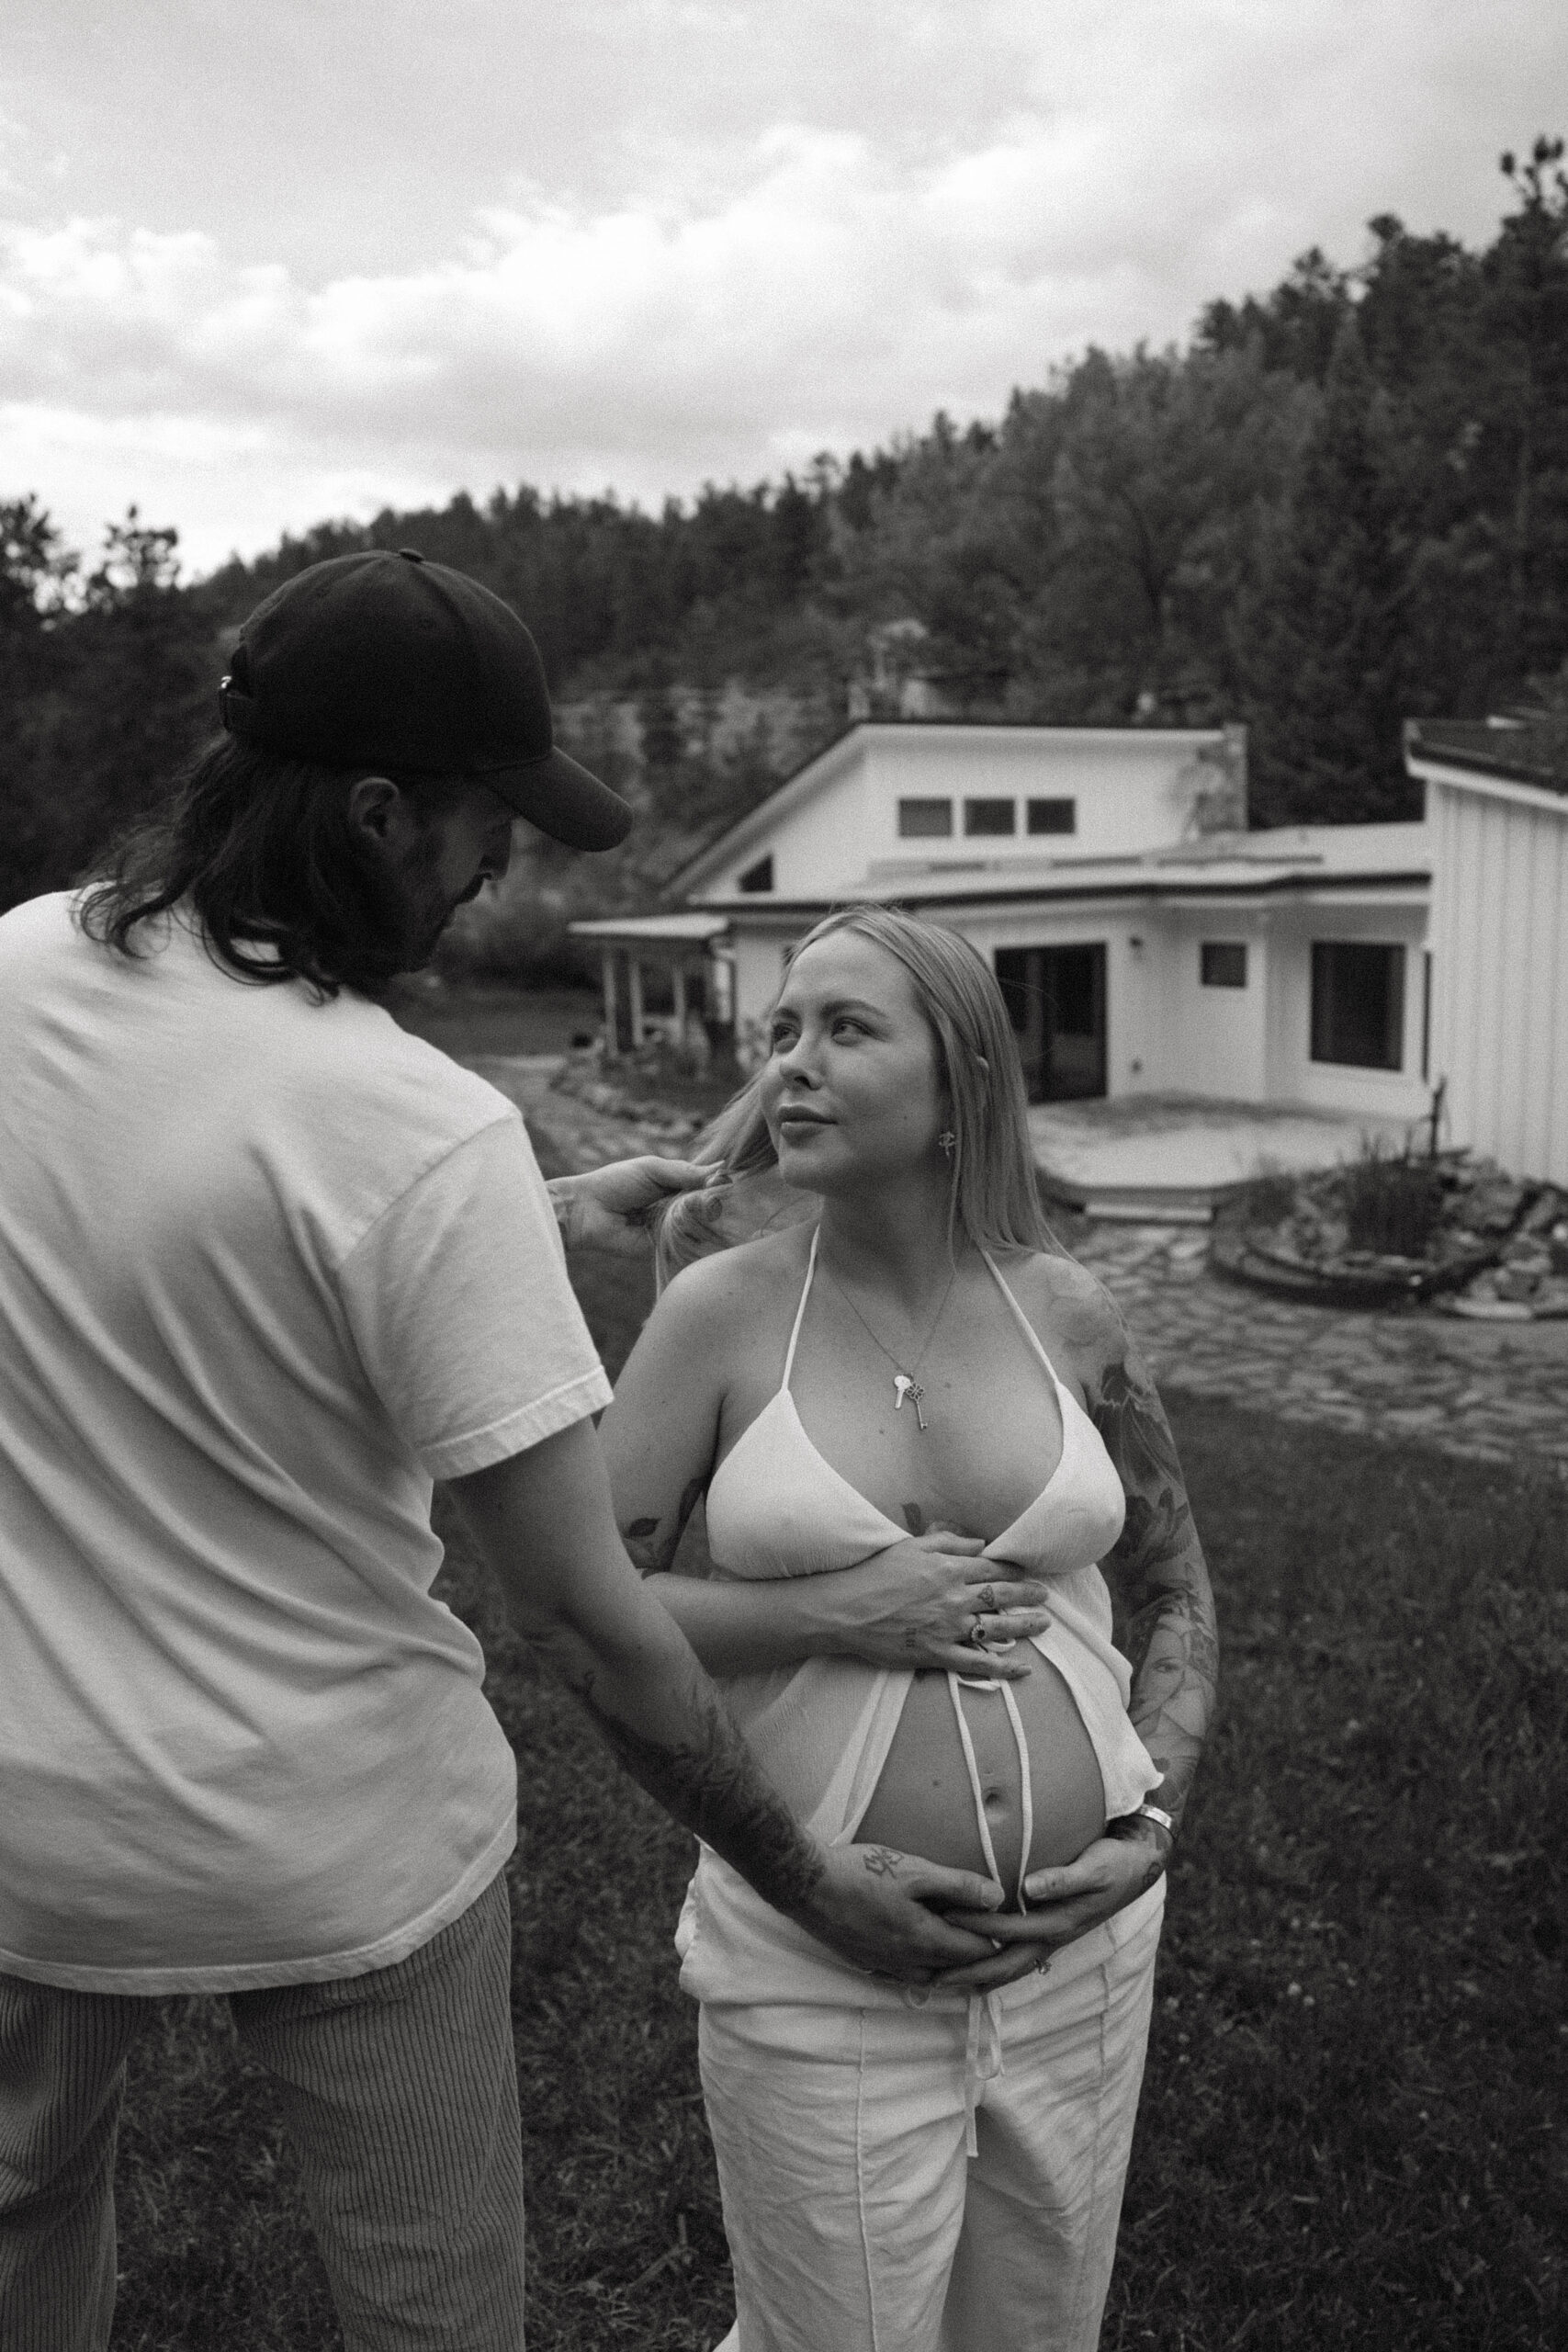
x=904 y=1386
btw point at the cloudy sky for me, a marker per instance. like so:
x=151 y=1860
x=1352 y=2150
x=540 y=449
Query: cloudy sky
x=266 y=263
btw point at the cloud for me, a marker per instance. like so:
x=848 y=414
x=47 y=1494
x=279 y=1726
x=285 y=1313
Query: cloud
x=820 y=281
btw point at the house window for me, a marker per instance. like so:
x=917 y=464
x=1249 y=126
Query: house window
x=1222 y=964
x=760 y=876
x=990 y=816
x=1052 y=816
x=1357 y=1003
x=920 y=821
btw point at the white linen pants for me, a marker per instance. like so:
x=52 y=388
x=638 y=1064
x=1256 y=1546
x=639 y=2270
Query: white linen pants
x=857 y=2220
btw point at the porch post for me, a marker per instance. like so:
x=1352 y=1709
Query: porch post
x=678 y=978
x=634 y=992
x=607 y=968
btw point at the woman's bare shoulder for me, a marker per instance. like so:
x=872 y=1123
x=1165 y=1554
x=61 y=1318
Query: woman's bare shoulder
x=709 y=1295
x=1076 y=1318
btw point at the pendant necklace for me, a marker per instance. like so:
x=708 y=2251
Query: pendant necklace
x=906 y=1387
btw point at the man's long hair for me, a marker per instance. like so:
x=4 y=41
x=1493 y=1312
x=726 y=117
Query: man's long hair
x=261 y=849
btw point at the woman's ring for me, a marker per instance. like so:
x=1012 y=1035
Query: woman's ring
x=988 y=1598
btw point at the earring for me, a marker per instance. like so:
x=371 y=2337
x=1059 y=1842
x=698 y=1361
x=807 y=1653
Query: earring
x=945 y=1142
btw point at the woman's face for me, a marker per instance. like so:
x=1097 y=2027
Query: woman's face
x=852 y=1091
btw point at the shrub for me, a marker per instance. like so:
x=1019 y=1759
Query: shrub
x=1393 y=1201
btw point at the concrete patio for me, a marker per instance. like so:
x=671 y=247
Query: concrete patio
x=1174 y=1156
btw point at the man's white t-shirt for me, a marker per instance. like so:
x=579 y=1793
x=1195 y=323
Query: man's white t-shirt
x=268 y=1266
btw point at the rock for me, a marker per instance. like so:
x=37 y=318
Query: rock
x=1548 y=1205
x=1491 y=1204
x=1515 y=1282
x=1491 y=1310
x=1550 y=1300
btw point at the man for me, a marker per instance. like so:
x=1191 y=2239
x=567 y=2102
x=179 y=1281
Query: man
x=267 y=1267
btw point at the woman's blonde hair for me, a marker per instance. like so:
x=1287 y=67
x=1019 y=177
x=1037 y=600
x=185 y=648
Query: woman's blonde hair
x=995 y=1198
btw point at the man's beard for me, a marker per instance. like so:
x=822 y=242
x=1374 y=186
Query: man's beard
x=412 y=907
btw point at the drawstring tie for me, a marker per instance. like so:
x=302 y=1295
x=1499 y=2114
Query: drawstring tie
x=980 y=2069
x=977 y=2070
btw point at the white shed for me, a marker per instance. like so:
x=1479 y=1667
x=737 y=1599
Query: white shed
x=1497 y=806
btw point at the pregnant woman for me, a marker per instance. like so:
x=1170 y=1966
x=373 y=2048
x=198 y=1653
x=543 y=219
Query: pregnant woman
x=921 y=1433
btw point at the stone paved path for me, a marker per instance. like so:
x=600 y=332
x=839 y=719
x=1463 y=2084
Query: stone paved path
x=1495 y=1392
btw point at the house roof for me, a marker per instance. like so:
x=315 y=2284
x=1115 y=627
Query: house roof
x=650 y=931
x=1520 y=751
x=831 y=760
x=1298 y=859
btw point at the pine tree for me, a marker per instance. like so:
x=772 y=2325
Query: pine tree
x=1319 y=637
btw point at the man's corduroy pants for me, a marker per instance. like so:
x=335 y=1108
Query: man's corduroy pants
x=398 y=2090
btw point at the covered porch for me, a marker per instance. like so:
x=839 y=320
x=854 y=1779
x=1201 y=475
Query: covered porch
x=669 y=978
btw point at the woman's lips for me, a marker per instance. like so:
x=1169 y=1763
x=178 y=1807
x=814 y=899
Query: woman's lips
x=796 y=1118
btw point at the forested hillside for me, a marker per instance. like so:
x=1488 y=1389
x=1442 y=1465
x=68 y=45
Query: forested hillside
x=1344 y=504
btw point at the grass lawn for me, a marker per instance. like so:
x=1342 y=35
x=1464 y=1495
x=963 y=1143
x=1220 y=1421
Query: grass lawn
x=1351 y=2130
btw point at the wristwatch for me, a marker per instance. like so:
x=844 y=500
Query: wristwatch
x=1147 y=1812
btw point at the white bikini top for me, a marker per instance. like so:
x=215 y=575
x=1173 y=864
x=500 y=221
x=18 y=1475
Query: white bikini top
x=776 y=1507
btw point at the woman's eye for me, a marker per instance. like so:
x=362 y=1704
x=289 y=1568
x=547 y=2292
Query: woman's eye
x=845 y=1023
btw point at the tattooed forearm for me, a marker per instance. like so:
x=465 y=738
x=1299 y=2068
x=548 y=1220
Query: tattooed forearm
x=711 y=1783
x=652 y=1544
x=1158 y=1576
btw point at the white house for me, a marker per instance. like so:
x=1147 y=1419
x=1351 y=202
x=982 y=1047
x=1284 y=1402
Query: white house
x=1146 y=941
x=1497 y=806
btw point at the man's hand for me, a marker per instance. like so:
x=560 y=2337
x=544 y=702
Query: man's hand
x=606 y=1208
x=870 y=1907
x=1067 y=1903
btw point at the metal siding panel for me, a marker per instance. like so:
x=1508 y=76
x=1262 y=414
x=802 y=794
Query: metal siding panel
x=1513 y=1035
x=1492 y=944
x=1554 y=1067
x=1537 y=986
x=1462 y=852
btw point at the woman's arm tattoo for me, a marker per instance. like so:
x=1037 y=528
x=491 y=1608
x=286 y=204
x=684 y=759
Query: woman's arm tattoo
x=652 y=1544
x=1157 y=1570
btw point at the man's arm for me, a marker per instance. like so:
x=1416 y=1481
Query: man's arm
x=542 y=1519
x=607 y=1208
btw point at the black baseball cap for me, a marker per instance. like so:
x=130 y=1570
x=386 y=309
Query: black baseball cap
x=388 y=661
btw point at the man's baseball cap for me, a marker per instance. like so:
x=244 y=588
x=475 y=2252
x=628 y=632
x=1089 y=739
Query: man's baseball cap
x=384 y=660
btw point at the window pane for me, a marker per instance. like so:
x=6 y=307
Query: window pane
x=1357 y=1003
x=925 y=820
x=1052 y=816
x=990 y=816
x=1222 y=964
x=759 y=877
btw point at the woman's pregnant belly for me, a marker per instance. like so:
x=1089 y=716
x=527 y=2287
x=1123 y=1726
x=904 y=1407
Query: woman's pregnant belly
x=923 y=1802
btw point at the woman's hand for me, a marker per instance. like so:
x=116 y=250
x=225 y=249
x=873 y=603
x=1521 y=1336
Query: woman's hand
x=927 y=1602
x=1068 y=1901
